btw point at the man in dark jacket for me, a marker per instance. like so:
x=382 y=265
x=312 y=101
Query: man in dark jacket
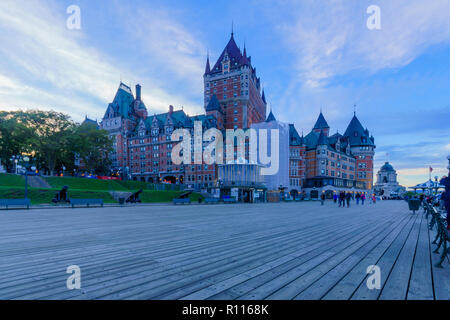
x=445 y=181
x=348 y=196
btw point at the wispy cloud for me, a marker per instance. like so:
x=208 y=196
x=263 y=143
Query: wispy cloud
x=43 y=64
x=331 y=38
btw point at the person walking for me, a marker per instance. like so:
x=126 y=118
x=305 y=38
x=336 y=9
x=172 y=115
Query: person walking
x=358 y=196
x=341 y=199
x=335 y=197
x=363 y=198
x=322 y=198
x=374 y=199
x=348 y=196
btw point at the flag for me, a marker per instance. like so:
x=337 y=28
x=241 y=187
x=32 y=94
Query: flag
x=431 y=169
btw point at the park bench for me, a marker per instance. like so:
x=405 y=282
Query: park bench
x=229 y=200
x=15 y=202
x=211 y=200
x=442 y=234
x=181 y=201
x=87 y=202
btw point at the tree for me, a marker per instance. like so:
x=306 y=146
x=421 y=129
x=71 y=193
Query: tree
x=15 y=139
x=50 y=140
x=92 y=146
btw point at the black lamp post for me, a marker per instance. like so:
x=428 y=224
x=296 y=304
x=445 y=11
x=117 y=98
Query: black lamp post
x=26 y=161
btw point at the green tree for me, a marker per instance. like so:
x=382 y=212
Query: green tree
x=92 y=146
x=51 y=137
x=15 y=138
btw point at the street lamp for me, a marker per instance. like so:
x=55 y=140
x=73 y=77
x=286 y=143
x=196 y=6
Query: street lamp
x=26 y=160
x=15 y=159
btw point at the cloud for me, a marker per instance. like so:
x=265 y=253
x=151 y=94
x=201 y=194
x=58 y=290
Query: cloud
x=45 y=65
x=331 y=38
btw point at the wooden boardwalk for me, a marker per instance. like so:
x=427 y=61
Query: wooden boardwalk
x=261 y=251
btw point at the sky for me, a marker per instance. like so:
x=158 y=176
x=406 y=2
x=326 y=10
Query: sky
x=311 y=56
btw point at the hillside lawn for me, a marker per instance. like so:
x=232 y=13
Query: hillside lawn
x=12 y=187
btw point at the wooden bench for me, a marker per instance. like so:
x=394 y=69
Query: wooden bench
x=87 y=202
x=442 y=234
x=25 y=202
x=181 y=201
x=211 y=200
x=229 y=200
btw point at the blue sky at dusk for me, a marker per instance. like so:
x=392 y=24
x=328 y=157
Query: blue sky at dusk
x=310 y=55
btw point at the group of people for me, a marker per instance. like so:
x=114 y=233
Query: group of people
x=344 y=198
x=445 y=196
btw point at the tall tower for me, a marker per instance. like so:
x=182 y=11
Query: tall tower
x=233 y=81
x=362 y=146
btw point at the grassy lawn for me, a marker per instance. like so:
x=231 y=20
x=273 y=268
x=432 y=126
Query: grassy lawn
x=41 y=196
x=45 y=196
x=85 y=184
x=12 y=186
x=11 y=180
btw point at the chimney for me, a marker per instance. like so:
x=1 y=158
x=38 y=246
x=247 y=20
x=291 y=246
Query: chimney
x=170 y=109
x=138 y=92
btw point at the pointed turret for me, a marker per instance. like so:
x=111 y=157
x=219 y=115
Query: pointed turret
x=263 y=97
x=271 y=117
x=356 y=134
x=213 y=104
x=232 y=53
x=207 y=68
x=245 y=60
x=321 y=123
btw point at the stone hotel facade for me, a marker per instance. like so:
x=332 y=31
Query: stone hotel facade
x=233 y=99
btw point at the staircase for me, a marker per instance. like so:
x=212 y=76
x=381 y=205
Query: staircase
x=120 y=194
x=38 y=182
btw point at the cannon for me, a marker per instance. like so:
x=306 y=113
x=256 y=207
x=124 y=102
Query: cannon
x=183 y=198
x=185 y=194
x=61 y=196
x=134 y=198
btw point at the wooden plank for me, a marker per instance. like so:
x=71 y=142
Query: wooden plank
x=359 y=258
x=421 y=281
x=192 y=252
x=346 y=286
x=385 y=264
